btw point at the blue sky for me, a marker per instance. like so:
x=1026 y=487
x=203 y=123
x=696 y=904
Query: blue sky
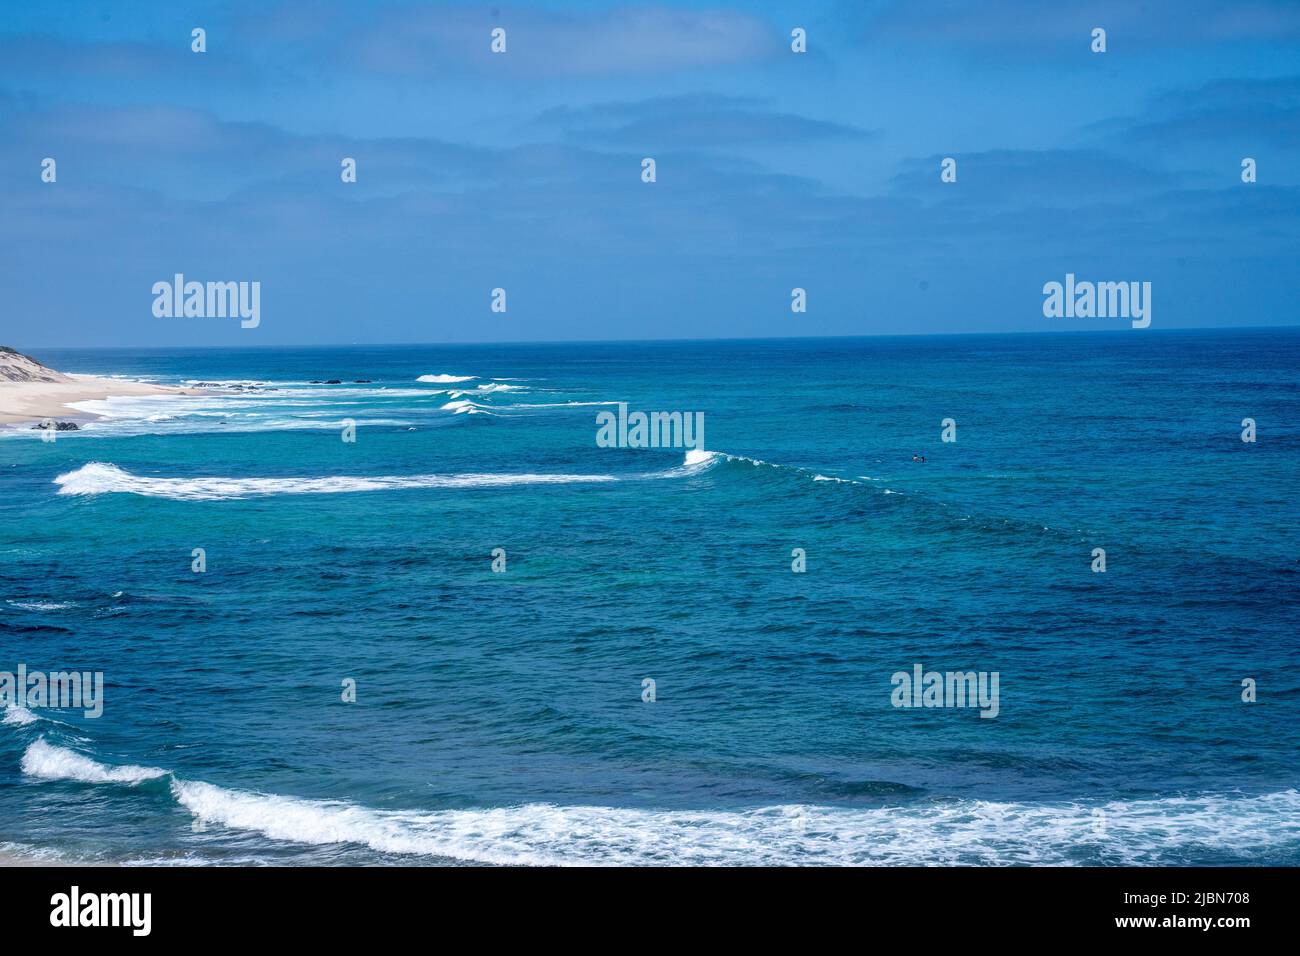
x=522 y=170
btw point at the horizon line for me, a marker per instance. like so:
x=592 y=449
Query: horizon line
x=642 y=341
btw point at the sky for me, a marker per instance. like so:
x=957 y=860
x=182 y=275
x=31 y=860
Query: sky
x=522 y=170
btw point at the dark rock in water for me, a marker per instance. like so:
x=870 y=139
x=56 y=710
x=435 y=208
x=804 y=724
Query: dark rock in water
x=57 y=426
x=334 y=381
x=361 y=381
x=314 y=381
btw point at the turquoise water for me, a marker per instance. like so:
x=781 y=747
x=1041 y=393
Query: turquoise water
x=499 y=716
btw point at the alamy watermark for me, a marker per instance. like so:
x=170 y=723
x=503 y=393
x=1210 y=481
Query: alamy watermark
x=75 y=908
x=67 y=689
x=1098 y=300
x=653 y=430
x=922 y=688
x=209 y=300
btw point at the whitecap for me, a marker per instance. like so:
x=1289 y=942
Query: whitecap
x=48 y=762
x=945 y=832
x=466 y=407
x=98 y=478
x=42 y=605
x=16 y=715
x=939 y=833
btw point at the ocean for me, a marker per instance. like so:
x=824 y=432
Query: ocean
x=647 y=679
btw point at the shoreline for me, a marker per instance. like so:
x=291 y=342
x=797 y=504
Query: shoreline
x=23 y=402
x=11 y=857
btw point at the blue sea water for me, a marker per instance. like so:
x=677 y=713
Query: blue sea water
x=499 y=716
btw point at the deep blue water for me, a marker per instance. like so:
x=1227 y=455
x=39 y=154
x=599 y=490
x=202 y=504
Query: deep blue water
x=499 y=716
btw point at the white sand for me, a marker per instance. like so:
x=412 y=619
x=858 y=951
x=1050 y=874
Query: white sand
x=35 y=401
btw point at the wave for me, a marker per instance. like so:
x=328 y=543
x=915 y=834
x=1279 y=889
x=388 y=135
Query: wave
x=937 y=832
x=701 y=459
x=98 y=478
x=488 y=389
x=242 y=412
x=949 y=833
x=466 y=407
x=445 y=379
x=16 y=715
x=25 y=855
x=230 y=382
x=48 y=762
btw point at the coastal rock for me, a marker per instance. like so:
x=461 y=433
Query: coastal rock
x=57 y=426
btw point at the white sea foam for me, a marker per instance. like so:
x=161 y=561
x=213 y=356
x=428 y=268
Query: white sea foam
x=445 y=379
x=49 y=762
x=98 y=478
x=286 y=407
x=239 y=412
x=136 y=406
x=16 y=715
x=227 y=382
x=700 y=459
x=27 y=854
x=940 y=832
x=698 y=456
x=500 y=387
x=955 y=832
x=487 y=388
x=232 y=424
x=42 y=605
x=559 y=404
x=466 y=407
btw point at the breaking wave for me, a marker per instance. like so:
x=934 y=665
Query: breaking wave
x=935 y=832
x=49 y=762
x=97 y=478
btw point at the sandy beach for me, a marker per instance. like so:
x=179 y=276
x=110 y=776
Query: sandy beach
x=35 y=401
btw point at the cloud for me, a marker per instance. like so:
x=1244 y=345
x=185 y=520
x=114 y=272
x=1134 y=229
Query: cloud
x=693 y=122
x=42 y=60
x=1247 y=111
x=423 y=41
x=1062 y=177
x=196 y=155
x=1034 y=26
